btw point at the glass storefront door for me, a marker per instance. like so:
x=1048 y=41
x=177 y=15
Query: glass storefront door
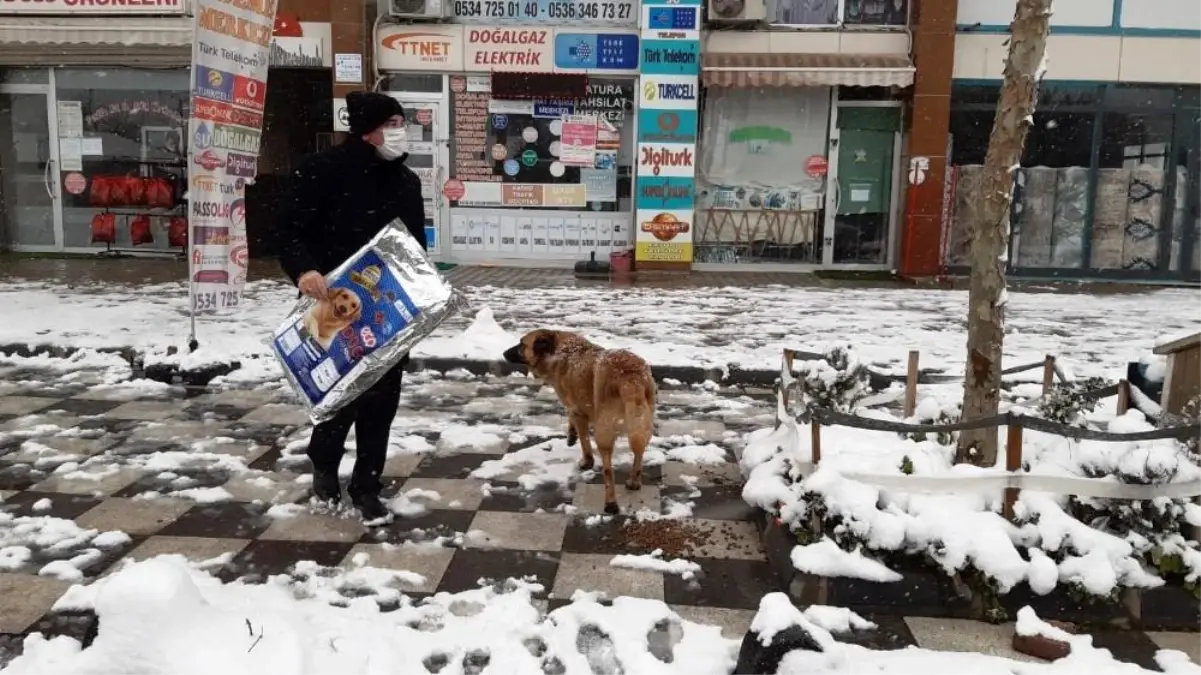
x=30 y=198
x=861 y=206
x=426 y=158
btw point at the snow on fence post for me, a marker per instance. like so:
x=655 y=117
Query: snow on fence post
x=1048 y=374
x=1013 y=462
x=1123 y=397
x=784 y=384
x=911 y=383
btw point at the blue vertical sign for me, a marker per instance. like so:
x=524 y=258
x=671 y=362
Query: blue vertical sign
x=665 y=179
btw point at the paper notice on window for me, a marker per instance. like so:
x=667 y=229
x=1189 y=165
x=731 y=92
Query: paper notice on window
x=599 y=185
x=70 y=154
x=70 y=119
x=861 y=193
x=93 y=146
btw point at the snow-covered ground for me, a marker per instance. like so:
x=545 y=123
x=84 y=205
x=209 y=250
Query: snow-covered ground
x=712 y=327
x=892 y=494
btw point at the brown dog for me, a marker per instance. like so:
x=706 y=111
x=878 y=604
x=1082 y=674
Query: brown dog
x=337 y=311
x=608 y=390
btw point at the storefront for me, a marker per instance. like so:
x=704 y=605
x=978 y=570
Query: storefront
x=87 y=93
x=1108 y=185
x=523 y=135
x=94 y=108
x=800 y=159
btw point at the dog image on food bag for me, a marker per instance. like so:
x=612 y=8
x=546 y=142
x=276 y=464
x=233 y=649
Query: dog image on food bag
x=341 y=308
x=609 y=391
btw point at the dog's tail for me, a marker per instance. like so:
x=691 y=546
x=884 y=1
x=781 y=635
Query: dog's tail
x=638 y=396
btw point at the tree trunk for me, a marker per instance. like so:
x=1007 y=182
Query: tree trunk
x=990 y=227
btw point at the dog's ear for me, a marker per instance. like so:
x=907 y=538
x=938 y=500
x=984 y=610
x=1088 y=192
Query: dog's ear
x=544 y=345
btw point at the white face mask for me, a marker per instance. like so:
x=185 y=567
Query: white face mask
x=395 y=143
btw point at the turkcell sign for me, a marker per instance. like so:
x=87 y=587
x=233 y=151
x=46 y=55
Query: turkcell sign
x=667 y=126
x=665 y=192
x=235 y=138
x=669 y=92
x=671 y=57
x=214 y=84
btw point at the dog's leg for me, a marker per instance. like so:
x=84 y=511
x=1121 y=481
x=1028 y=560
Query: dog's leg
x=572 y=436
x=578 y=427
x=606 y=436
x=638 y=442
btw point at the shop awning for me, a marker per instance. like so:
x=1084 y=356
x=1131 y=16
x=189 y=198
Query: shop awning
x=80 y=41
x=741 y=70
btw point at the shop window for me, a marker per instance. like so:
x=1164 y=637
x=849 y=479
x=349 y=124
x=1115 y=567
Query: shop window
x=1132 y=191
x=1050 y=208
x=761 y=174
x=414 y=83
x=876 y=12
x=122 y=126
x=512 y=154
x=24 y=76
x=836 y=12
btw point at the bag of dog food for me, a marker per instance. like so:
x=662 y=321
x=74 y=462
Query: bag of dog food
x=382 y=301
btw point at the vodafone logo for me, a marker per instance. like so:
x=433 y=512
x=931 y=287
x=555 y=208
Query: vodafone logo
x=239 y=255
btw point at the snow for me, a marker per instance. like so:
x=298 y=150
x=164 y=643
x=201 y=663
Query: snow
x=698 y=454
x=961 y=528
x=826 y=559
x=654 y=562
x=683 y=327
x=776 y=614
x=201 y=625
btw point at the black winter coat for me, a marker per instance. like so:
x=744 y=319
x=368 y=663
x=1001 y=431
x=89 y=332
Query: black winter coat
x=341 y=198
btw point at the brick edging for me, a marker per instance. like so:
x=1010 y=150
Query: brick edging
x=925 y=591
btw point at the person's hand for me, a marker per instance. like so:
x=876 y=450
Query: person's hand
x=312 y=284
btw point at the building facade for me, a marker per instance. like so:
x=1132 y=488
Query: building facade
x=94 y=107
x=699 y=134
x=1109 y=181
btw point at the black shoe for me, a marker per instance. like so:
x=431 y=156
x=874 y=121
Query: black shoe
x=326 y=487
x=373 y=510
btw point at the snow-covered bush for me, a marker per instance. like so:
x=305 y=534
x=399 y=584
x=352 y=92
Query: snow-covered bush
x=1067 y=402
x=836 y=382
x=929 y=411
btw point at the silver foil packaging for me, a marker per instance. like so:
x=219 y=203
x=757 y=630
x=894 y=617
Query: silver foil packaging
x=382 y=301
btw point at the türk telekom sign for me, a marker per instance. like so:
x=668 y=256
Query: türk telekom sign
x=93 y=7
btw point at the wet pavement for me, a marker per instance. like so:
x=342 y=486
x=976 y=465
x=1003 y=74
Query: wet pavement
x=94 y=473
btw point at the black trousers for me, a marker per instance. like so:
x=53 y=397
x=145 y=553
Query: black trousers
x=371 y=414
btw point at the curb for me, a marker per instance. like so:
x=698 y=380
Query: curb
x=924 y=591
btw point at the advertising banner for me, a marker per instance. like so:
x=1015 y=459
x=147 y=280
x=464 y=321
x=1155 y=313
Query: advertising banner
x=230 y=48
x=668 y=102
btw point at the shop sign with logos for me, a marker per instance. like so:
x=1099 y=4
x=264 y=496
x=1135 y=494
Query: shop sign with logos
x=668 y=97
x=616 y=52
x=667 y=126
x=420 y=47
x=93 y=7
x=663 y=235
x=669 y=92
x=509 y=49
x=228 y=96
x=671 y=57
x=585 y=12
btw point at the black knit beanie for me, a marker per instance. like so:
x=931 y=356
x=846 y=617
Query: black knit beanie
x=369 y=110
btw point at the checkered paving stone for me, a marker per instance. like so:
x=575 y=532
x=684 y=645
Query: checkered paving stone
x=93 y=475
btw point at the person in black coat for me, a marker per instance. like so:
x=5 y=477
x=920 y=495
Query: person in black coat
x=339 y=200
